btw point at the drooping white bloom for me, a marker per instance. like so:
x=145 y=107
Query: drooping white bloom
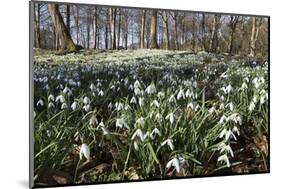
x=64 y=106
x=51 y=105
x=86 y=100
x=170 y=117
x=226 y=149
x=74 y=105
x=138 y=92
x=244 y=86
x=161 y=95
x=92 y=87
x=225 y=159
x=169 y=142
x=84 y=151
x=87 y=107
x=236 y=130
x=40 y=103
x=51 y=98
x=151 y=89
x=138 y=133
x=140 y=121
x=252 y=106
x=137 y=84
x=175 y=163
x=119 y=106
x=211 y=110
x=181 y=94
x=93 y=120
x=101 y=93
x=141 y=101
x=230 y=105
x=159 y=117
x=223 y=119
x=227 y=134
x=133 y=100
x=66 y=90
x=155 y=132
x=172 y=99
x=136 y=146
x=191 y=106
x=120 y=122
x=155 y=103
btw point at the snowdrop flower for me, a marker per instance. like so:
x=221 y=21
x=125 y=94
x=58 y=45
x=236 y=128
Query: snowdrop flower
x=66 y=90
x=169 y=142
x=140 y=121
x=92 y=87
x=211 y=110
x=60 y=99
x=230 y=105
x=223 y=119
x=226 y=148
x=161 y=95
x=252 y=106
x=170 y=117
x=138 y=133
x=175 y=163
x=51 y=105
x=93 y=120
x=244 y=86
x=191 y=106
x=119 y=106
x=74 y=105
x=87 y=107
x=110 y=106
x=151 y=89
x=101 y=93
x=155 y=103
x=159 y=117
x=86 y=100
x=136 y=146
x=120 y=122
x=64 y=106
x=236 y=130
x=138 y=92
x=155 y=132
x=84 y=151
x=137 y=84
x=227 y=134
x=181 y=94
x=225 y=159
x=51 y=98
x=40 y=103
x=133 y=100
x=172 y=99
x=141 y=101
x=262 y=99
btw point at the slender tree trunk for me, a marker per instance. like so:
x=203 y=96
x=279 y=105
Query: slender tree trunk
x=68 y=17
x=112 y=12
x=37 y=26
x=66 y=41
x=142 y=29
x=214 y=35
x=95 y=22
x=88 y=24
x=106 y=31
x=256 y=25
x=153 y=31
x=193 y=34
x=119 y=29
x=77 y=24
x=176 y=31
x=166 y=26
x=204 y=45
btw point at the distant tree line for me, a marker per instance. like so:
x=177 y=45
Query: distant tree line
x=71 y=27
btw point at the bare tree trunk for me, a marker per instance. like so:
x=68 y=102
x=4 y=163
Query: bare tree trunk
x=106 y=31
x=256 y=25
x=68 y=17
x=119 y=28
x=183 y=34
x=37 y=26
x=88 y=23
x=176 y=30
x=95 y=24
x=66 y=41
x=166 y=25
x=214 y=35
x=204 y=45
x=232 y=24
x=142 y=29
x=153 y=31
x=193 y=34
x=112 y=12
x=77 y=24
